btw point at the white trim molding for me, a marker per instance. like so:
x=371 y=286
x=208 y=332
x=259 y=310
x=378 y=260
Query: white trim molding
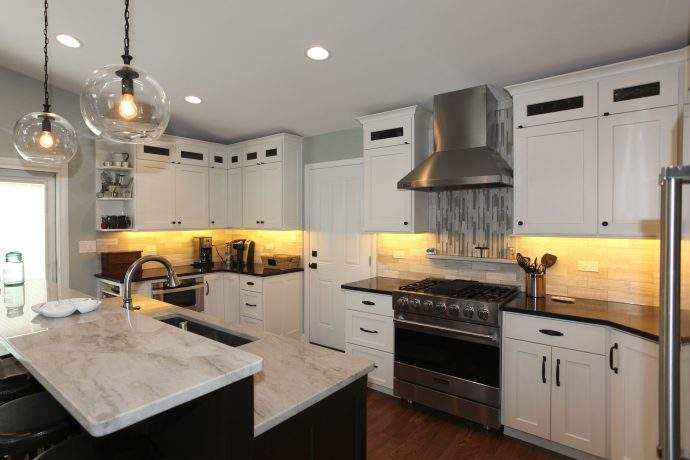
x=61 y=212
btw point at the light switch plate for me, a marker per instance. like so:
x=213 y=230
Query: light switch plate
x=87 y=246
x=588 y=266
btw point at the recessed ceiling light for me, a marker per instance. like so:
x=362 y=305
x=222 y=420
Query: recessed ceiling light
x=68 y=40
x=317 y=53
x=193 y=99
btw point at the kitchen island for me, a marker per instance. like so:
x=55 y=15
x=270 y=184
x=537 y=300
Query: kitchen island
x=113 y=370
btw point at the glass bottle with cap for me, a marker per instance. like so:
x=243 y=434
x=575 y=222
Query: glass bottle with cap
x=13 y=272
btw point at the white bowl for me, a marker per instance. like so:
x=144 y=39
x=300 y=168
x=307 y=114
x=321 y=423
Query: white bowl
x=65 y=307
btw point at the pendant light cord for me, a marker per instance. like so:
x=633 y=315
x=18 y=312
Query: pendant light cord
x=127 y=58
x=46 y=100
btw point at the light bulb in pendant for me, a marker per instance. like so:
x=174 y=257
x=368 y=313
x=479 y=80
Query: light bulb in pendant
x=127 y=108
x=46 y=140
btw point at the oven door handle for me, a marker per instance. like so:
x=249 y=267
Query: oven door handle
x=193 y=287
x=491 y=337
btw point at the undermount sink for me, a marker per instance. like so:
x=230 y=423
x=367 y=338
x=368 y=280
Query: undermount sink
x=213 y=333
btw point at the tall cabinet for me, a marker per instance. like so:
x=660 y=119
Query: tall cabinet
x=394 y=143
x=589 y=147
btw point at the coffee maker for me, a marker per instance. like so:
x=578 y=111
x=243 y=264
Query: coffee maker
x=203 y=251
x=242 y=252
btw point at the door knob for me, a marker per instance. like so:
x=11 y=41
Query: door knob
x=313 y=266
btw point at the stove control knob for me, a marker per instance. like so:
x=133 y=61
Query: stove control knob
x=402 y=302
x=454 y=310
x=428 y=305
x=468 y=311
x=415 y=304
x=483 y=313
x=441 y=308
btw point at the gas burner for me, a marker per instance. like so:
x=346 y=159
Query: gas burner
x=461 y=289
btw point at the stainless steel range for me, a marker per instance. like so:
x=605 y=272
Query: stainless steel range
x=447 y=346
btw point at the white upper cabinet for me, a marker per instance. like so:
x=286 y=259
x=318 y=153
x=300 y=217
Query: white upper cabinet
x=395 y=142
x=556 y=178
x=218 y=198
x=271 y=195
x=387 y=208
x=560 y=103
x=589 y=147
x=192 y=152
x=633 y=147
x=163 y=149
x=642 y=89
x=155 y=199
x=219 y=157
x=251 y=196
x=271 y=151
x=250 y=153
x=234 y=198
x=191 y=196
x=234 y=157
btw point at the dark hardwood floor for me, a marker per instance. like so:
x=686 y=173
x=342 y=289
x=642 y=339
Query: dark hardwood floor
x=397 y=430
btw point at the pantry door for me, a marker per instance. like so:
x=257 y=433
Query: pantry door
x=27 y=207
x=337 y=251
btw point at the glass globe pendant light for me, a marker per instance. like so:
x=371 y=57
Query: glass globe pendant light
x=122 y=103
x=45 y=137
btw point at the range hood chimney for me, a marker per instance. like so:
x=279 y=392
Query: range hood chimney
x=471 y=128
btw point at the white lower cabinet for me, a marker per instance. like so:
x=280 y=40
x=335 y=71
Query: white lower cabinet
x=633 y=403
x=552 y=392
x=578 y=400
x=369 y=333
x=276 y=307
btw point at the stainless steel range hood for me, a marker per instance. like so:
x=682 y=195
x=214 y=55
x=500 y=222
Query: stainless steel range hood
x=471 y=130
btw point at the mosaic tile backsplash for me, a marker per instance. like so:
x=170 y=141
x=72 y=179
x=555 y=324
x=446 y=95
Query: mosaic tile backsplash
x=464 y=219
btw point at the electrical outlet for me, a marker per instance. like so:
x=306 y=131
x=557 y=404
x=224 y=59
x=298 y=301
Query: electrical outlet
x=588 y=266
x=87 y=246
x=398 y=254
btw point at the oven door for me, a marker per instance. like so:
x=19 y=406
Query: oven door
x=189 y=294
x=453 y=357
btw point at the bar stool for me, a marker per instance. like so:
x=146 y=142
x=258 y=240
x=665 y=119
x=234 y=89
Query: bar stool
x=119 y=446
x=33 y=422
x=15 y=382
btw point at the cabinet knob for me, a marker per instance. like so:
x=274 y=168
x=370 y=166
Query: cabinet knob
x=405 y=223
x=520 y=223
x=257 y=221
x=213 y=221
x=173 y=222
x=179 y=222
x=262 y=221
x=604 y=224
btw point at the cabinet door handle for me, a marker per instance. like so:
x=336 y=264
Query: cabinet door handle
x=250 y=283
x=368 y=302
x=207 y=287
x=368 y=331
x=551 y=332
x=558 y=372
x=614 y=347
x=313 y=265
x=543 y=369
x=250 y=304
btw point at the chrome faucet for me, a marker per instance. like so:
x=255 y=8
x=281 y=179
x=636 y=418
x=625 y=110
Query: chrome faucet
x=171 y=281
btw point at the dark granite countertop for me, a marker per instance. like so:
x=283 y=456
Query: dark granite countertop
x=377 y=285
x=641 y=320
x=186 y=270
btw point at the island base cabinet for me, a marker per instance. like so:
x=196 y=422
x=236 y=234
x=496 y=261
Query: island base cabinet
x=578 y=400
x=334 y=429
x=634 y=383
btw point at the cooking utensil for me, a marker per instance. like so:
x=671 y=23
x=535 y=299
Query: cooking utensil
x=548 y=260
x=523 y=262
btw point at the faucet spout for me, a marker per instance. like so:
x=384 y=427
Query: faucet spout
x=171 y=281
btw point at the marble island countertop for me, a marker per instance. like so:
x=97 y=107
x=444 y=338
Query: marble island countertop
x=112 y=368
x=295 y=374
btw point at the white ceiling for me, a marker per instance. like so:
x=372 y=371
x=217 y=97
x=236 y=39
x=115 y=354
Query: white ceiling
x=246 y=58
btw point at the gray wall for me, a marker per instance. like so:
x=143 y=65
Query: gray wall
x=337 y=145
x=19 y=95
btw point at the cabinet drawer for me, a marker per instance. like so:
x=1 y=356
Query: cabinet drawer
x=250 y=304
x=387 y=131
x=561 y=103
x=383 y=362
x=643 y=89
x=558 y=333
x=378 y=304
x=373 y=331
x=251 y=321
x=251 y=283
